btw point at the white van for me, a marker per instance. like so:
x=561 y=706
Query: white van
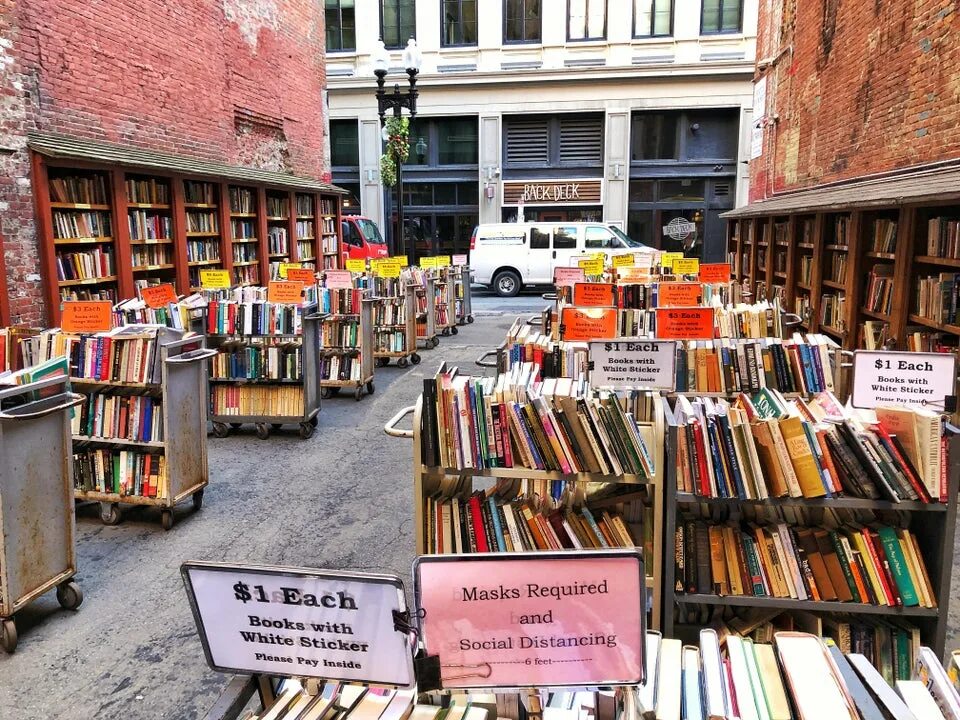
x=507 y=256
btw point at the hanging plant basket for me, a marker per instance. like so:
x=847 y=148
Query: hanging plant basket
x=397 y=149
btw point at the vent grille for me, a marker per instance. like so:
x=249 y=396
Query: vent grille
x=721 y=189
x=581 y=140
x=527 y=142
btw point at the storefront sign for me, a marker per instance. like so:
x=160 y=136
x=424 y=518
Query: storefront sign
x=534 y=619
x=308 y=623
x=684 y=324
x=715 y=273
x=284 y=292
x=679 y=294
x=686 y=266
x=588 y=323
x=86 y=316
x=921 y=379
x=338 y=279
x=302 y=275
x=214 y=279
x=633 y=364
x=594 y=294
x=355 y=265
x=591 y=266
x=679 y=228
x=157 y=296
x=568 y=276
x=459 y=260
x=624 y=260
x=553 y=192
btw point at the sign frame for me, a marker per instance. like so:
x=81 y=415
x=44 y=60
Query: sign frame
x=867 y=356
x=668 y=347
x=297 y=573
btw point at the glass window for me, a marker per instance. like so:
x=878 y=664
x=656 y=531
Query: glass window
x=587 y=20
x=458 y=142
x=564 y=238
x=350 y=234
x=716 y=135
x=652 y=18
x=344 y=145
x=459 y=22
x=682 y=190
x=445 y=194
x=654 y=136
x=465 y=226
x=539 y=238
x=599 y=237
x=521 y=21
x=720 y=16
x=341 y=25
x=640 y=227
x=398 y=21
x=371 y=232
x=446 y=234
x=468 y=193
x=641 y=191
x=418 y=193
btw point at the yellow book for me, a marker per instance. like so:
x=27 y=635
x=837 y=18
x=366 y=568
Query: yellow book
x=802 y=458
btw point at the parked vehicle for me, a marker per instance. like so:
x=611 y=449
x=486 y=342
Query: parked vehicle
x=508 y=256
x=361 y=239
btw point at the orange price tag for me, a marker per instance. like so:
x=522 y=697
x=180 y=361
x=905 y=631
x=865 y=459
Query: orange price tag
x=285 y=291
x=685 y=323
x=301 y=275
x=635 y=273
x=679 y=294
x=593 y=294
x=156 y=296
x=715 y=272
x=588 y=323
x=82 y=316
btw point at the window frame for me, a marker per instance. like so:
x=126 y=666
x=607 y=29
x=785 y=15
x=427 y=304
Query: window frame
x=538 y=41
x=342 y=49
x=653 y=16
x=344 y=122
x=586 y=20
x=720 y=31
x=476 y=23
x=403 y=41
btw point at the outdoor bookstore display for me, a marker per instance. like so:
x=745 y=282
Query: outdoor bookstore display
x=278 y=231
x=425 y=305
x=444 y=300
x=462 y=291
x=329 y=233
x=346 y=338
x=394 y=320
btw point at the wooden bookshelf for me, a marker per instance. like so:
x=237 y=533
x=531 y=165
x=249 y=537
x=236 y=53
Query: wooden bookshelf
x=150 y=220
x=278 y=213
x=303 y=227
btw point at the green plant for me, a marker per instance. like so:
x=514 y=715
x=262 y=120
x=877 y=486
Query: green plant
x=396 y=150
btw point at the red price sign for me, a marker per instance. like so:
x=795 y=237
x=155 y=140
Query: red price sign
x=285 y=292
x=685 y=323
x=86 y=316
x=593 y=294
x=588 y=323
x=158 y=296
x=715 y=272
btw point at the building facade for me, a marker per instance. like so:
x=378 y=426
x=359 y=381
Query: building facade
x=635 y=112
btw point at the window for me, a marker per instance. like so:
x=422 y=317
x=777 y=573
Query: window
x=599 y=238
x=344 y=145
x=398 y=22
x=564 y=238
x=539 y=238
x=458 y=141
x=351 y=236
x=521 y=21
x=587 y=20
x=341 y=25
x=458 y=22
x=652 y=18
x=720 y=16
x=568 y=140
x=654 y=136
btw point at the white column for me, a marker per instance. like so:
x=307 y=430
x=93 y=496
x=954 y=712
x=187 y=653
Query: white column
x=490 y=168
x=617 y=162
x=371 y=192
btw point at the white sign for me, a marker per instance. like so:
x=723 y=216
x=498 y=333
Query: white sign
x=882 y=377
x=459 y=260
x=760 y=98
x=679 y=228
x=307 y=623
x=634 y=364
x=756 y=140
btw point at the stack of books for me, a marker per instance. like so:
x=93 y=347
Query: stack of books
x=342 y=367
x=228 y=317
x=96 y=263
x=879 y=292
x=340 y=333
x=173 y=315
x=259 y=361
x=85 y=189
x=943 y=238
x=938 y=298
x=123 y=472
x=257 y=401
x=80 y=225
x=339 y=301
x=759 y=320
x=553 y=358
x=884 y=238
x=137 y=418
x=124 y=355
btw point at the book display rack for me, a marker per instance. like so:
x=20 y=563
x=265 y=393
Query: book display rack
x=463 y=294
x=426 y=309
x=394 y=321
x=278 y=231
x=247 y=230
x=305 y=228
x=34 y=433
x=445 y=302
x=267 y=366
x=329 y=224
x=207 y=245
x=346 y=341
x=150 y=221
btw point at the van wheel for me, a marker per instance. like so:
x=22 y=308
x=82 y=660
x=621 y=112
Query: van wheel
x=506 y=283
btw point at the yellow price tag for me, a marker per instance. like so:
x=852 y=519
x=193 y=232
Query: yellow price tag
x=686 y=266
x=286 y=266
x=667 y=258
x=591 y=266
x=214 y=279
x=622 y=261
x=442 y=261
x=402 y=259
x=356 y=265
x=387 y=269
x=428 y=262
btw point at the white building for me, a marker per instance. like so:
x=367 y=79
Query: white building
x=631 y=111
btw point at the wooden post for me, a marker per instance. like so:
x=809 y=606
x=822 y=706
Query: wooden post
x=178 y=221
x=260 y=202
x=853 y=282
x=226 y=229
x=121 y=236
x=816 y=273
x=48 y=252
x=292 y=244
x=904 y=286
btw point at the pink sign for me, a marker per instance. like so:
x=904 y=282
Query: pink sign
x=459 y=260
x=338 y=279
x=534 y=619
x=568 y=276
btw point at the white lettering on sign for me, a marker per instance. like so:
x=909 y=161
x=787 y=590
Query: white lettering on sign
x=882 y=377
x=633 y=364
x=553 y=193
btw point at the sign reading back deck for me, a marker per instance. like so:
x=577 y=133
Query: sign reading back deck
x=311 y=623
x=534 y=619
x=635 y=364
x=881 y=377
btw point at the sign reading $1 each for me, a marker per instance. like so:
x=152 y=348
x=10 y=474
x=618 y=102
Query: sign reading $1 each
x=633 y=364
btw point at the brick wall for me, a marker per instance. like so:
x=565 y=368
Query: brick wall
x=869 y=87
x=239 y=81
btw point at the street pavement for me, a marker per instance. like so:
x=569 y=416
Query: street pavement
x=342 y=499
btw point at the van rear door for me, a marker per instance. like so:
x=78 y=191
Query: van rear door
x=539 y=256
x=564 y=246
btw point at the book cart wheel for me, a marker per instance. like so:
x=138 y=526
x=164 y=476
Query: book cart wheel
x=263 y=431
x=198 y=499
x=402 y=362
x=69 y=595
x=436 y=341
x=445 y=332
x=469 y=318
x=326 y=393
x=221 y=430
x=370 y=388
x=381 y=362
x=415 y=358
x=166 y=519
x=307 y=430
x=358 y=394
x=8 y=635
x=454 y=331
x=110 y=513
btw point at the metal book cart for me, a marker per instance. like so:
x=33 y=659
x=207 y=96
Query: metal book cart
x=385 y=331
x=182 y=391
x=308 y=417
x=463 y=294
x=363 y=349
x=433 y=481
x=444 y=302
x=37 y=526
x=427 y=332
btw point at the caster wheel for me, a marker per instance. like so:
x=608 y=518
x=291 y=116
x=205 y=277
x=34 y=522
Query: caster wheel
x=454 y=331
x=436 y=341
x=445 y=332
x=69 y=595
x=307 y=430
x=221 y=430
x=326 y=393
x=110 y=513
x=378 y=362
x=198 y=500
x=276 y=426
x=358 y=394
x=469 y=318
x=8 y=635
x=315 y=420
x=415 y=359
x=370 y=388
x=263 y=432
x=402 y=363
x=166 y=519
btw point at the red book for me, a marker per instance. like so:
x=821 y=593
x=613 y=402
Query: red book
x=505 y=432
x=103 y=372
x=944 y=483
x=701 y=460
x=904 y=465
x=478 y=528
x=883 y=567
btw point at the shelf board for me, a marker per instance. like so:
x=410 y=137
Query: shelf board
x=281 y=256
x=156 y=387
x=803 y=286
x=331 y=253
x=244 y=263
x=203 y=234
x=307 y=237
x=304 y=217
x=782 y=275
x=307 y=259
x=159 y=241
x=77 y=206
x=838 y=248
x=830 y=330
x=83 y=241
x=834 y=284
x=881 y=256
x=119 y=441
x=206 y=206
x=147 y=206
x=244 y=240
x=236 y=214
x=839 y=503
x=88 y=281
x=942 y=327
x=98 y=496
x=782 y=243
x=931 y=260
x=805 y=246
x=874 y=315
x=196 y=263
x=791 y=604
x=148 y=268
x=522 y=472
x=277 y=218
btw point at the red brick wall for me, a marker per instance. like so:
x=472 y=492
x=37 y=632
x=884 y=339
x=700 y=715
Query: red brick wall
x=239 y=81
x=870 y=87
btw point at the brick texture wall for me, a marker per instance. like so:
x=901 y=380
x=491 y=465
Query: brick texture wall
x=239 y=81
x=859 y=87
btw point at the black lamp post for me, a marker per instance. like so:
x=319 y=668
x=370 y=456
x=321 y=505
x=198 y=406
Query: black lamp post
x=396 y=101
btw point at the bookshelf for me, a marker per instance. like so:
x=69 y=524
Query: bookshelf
x=204 y=239
x=305 y=228
x=346 y=339
x=278 y=214
x=426 y=310
x=149 y=216
x=445 y=302
x=248 y=232
x=329 y=226
x=394 y=322
x=463 y=294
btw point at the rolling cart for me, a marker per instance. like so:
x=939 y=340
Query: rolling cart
x=444 y=303
x=426 y=314
x=362 y=349
x=37 y=527
x=395 y=340
x=463 y=294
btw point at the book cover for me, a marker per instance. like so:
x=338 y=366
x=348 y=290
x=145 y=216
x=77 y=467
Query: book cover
x=898 y=566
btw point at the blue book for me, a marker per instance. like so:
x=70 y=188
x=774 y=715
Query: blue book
x=531 y=446
x=715 y=443
x=147 y=424
x=808 y=374
x=681 y=369
x=497 y=527
x=732 y=456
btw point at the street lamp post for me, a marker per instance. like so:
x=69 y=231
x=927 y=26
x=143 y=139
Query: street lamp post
x=396 y=101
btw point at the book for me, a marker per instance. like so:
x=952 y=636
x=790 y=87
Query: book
x=918 y=699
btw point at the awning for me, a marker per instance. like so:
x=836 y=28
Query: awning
x=908 y=187
x=70 y=148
